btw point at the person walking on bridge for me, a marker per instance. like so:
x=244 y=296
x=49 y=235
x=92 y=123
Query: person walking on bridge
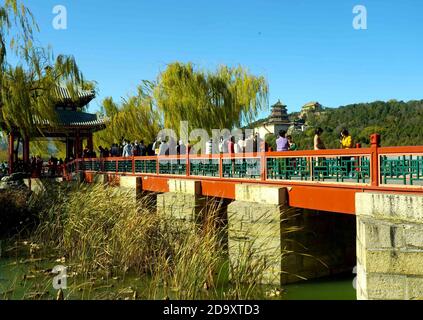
x=127 y=149
x=346 y=143
x=282 y=145
x=320 y=165
x=318 y=142
x=282 y=142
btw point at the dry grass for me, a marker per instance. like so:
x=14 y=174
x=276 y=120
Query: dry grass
x=101 y=230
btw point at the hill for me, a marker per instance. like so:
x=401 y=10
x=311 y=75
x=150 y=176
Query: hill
x=399 y=123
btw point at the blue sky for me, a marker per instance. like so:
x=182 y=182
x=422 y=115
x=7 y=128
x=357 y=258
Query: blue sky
x=307 y=49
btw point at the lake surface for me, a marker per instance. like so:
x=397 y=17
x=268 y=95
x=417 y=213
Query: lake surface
x=22 y=278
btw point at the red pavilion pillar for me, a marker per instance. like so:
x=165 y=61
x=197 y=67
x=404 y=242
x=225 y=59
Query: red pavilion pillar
x=77 y=145
x=26 y=150
x=69 y=147
x=90 y=144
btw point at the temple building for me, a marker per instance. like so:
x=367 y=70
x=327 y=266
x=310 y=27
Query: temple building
x=73 y=127
x=278 y=120
x=311 y=107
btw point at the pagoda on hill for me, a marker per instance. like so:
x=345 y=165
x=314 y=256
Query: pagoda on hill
x=279 y=113
x=72 y=127
x=278 y=120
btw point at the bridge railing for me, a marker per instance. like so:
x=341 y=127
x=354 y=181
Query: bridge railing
x=324 y=166
x=401 y=166
x=373 y=167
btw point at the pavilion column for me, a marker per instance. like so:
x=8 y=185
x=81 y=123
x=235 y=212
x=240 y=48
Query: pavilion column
x=11 y=151
x=77 y=144
x=69 y=147
x=26 y=150
x=90 y=142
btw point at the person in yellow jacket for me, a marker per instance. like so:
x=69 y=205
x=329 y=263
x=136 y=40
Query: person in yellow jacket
x=346 y=162
x=346 y=139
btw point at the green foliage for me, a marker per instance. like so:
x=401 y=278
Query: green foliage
x=399 y=123
x=17 y=26
x=28 y=89
x=225 y=98
x=135 y=119
x=28 y=95
x=209 y=100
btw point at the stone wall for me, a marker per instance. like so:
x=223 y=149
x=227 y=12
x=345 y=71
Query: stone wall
x=389 y=246
x=183 y=202
x=297 y=244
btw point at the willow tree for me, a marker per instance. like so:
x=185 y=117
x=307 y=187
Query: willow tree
x=17 y=26
x=136 y=118
x=223 y=99
x=28 y=89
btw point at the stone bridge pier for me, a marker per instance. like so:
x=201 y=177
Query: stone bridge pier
x=389 y=246
x=297 y=244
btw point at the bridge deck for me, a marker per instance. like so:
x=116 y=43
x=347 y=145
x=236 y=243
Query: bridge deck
x=324 y=180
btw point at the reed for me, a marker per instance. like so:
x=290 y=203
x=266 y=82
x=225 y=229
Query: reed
x=101 y=230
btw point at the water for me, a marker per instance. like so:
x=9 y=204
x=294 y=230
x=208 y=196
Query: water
x=330 y=288
x=22 y=278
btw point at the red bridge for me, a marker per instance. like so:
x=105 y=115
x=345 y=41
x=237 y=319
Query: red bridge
x=325 y=180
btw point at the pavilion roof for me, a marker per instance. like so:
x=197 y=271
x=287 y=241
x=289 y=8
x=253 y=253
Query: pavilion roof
x=63 y=93
x=65 y=100
x=69 y=118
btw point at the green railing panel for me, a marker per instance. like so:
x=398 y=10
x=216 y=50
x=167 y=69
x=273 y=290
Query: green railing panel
x=88 y=165
x=341 y=169
x=145 y=166
x=338 y=169
x=204 y=167
x=109 y=166
x=288 y=169
x=406 y=170
x=125 y=166
x=241 y=168
x=173 y=167
x=96 y=165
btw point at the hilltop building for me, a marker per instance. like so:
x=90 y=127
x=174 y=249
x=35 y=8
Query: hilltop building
x=279 y=120
x=313 y=106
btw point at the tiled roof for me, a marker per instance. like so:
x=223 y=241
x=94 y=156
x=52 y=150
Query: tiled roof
x=64 y=94
x=72 y=118
x=69 y=118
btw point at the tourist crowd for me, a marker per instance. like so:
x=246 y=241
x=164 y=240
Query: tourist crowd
x=169 y=146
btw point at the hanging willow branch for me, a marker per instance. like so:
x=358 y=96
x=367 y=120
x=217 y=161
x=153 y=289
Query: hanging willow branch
x=17 y=23
x=28 y=90
x=29 y=95
x=226 y=98
x=135 y=119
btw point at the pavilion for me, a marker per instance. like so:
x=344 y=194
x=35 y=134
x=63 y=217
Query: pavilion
x=73 y=127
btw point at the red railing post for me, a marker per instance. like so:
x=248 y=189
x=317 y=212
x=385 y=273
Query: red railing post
x=220 y=165
x=374 y=166
x=133 y=164
x=263 y=166
x=157 y=165
x=188 y=165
